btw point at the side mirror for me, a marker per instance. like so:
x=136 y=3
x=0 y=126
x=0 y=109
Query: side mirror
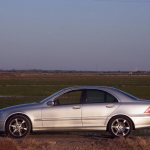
x=50 y=103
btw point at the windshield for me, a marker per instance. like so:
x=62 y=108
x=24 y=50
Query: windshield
x=46 y=99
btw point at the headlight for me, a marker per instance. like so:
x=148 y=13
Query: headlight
x=1 y=112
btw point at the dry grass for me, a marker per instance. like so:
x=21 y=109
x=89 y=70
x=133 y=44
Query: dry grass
x=131 y=143
x=33 y=144
x=134 y=143
x=7 y=144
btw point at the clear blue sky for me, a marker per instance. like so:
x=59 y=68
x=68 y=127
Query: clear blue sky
x=102 y=35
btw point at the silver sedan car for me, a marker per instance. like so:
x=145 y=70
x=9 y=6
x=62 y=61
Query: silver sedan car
x=83 y=108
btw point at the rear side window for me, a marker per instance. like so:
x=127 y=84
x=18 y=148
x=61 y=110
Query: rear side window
x=98 y=96
x=95 y=96
x=110 y=98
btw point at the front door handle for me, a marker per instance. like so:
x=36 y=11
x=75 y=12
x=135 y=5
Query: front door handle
x=110 y=105
x=76 y=107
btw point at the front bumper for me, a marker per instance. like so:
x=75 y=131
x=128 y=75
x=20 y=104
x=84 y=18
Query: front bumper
x=2 y=129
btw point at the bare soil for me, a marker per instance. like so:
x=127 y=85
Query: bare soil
x=74 y=142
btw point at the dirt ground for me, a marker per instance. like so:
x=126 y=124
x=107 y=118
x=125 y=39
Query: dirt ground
x=74 y=142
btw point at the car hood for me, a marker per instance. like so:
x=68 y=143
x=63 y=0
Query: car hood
x=22 y=106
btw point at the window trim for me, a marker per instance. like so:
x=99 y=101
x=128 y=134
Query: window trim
x=84 y=96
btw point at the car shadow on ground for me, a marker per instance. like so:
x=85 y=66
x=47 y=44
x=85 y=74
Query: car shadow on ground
x=66 y=135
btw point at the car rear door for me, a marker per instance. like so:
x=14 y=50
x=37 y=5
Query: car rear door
x=97 y=107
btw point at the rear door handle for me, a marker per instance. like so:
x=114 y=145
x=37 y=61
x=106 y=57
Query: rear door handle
x=110 y=105
x=76 y=107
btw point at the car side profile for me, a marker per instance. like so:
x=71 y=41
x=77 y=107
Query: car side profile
x=82 y=108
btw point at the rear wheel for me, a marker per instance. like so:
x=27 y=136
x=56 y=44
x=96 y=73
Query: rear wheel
x=120 y=126
x=18 y=126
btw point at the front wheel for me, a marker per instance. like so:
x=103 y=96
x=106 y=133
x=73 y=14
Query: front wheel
x=120 y=126
x=18 y=126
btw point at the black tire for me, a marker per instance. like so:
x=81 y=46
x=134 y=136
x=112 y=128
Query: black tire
x=18 y=126
x=120 y=126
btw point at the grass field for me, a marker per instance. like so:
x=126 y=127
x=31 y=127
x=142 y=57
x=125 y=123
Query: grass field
x=36 y=86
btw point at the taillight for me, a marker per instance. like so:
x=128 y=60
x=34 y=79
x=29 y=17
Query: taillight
x=147 y=110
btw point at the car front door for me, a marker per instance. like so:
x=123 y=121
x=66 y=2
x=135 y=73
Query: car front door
x=97 y=107
x=66 y=111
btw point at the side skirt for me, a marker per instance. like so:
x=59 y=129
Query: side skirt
x=70 y=129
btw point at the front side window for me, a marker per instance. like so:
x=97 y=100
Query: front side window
x=69 y=98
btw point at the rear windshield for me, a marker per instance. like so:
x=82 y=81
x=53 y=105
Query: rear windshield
x=129 y=95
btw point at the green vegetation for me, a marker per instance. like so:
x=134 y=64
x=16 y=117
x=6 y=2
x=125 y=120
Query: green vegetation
x=33 y=85
x=10 y=101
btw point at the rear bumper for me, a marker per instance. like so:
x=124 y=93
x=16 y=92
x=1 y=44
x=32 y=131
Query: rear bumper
x=141 y=122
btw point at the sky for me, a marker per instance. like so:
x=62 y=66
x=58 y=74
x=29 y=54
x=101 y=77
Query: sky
x=82 y=35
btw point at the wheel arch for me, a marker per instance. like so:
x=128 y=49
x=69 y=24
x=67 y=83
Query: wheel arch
x=133 y=126
x=21 y=114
